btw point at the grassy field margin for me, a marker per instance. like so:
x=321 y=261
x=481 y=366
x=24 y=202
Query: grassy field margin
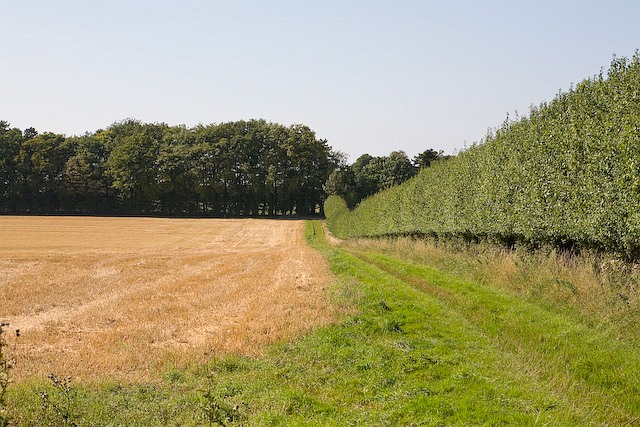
x=417 y=346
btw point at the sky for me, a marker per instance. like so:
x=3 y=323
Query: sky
x=367 y=76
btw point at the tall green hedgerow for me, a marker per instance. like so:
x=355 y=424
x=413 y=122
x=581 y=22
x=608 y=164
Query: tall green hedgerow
x=567 y=175
x=334 y=208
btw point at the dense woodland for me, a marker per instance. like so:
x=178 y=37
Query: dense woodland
x=243 y=168
x=568 y=175
x=232 y=169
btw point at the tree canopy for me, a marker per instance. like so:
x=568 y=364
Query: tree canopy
x=242 y=168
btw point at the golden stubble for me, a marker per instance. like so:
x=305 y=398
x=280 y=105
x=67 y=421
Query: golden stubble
x=126 y=298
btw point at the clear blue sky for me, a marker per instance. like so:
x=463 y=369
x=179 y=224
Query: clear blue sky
x=369 y=76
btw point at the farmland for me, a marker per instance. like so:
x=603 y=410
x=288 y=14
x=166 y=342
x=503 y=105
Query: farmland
x=127 y=298
x=412 y=334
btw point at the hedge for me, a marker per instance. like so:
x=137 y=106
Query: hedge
x=567 y=175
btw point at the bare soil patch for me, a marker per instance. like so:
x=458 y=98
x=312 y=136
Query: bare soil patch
x=128 y=297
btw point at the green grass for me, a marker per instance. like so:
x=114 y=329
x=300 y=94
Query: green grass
x=599 y=374
x=421 y=347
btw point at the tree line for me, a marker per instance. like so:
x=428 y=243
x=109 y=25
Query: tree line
x=369 y=175
x=242 y=168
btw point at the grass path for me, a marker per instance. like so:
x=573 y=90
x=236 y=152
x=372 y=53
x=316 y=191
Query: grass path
x=421 y=347
x=597 y=375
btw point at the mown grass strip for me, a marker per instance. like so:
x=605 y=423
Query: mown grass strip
x=598 y=373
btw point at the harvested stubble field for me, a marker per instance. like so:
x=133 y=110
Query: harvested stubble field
x=125 y=298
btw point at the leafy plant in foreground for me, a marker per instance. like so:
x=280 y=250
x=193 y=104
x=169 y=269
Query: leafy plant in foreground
x=7 y=362
x=58 y=406
x=216 y=407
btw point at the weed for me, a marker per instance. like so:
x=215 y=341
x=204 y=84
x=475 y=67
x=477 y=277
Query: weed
x=216 y=405
x=393 y=325
x=7 y=362
x=58 y=406
x=383 y=306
